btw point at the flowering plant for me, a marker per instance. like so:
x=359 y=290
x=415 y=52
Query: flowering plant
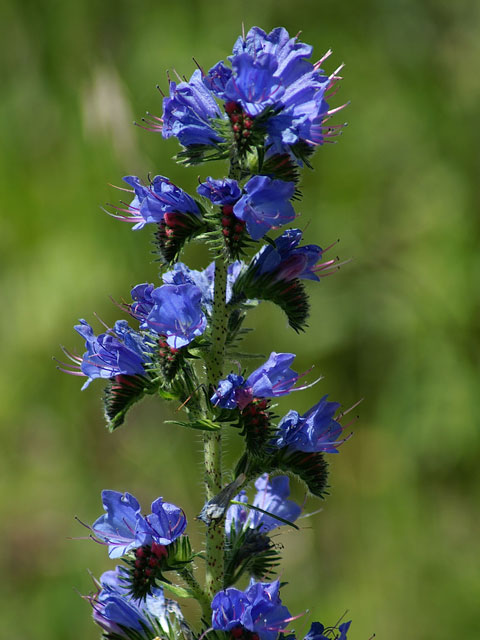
x=265 y=112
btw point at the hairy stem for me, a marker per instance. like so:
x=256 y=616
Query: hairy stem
x=213 y=441
x=199 y=594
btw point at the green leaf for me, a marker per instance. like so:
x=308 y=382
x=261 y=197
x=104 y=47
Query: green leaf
x=267 y=513
x=180 y=592
x=203 y=424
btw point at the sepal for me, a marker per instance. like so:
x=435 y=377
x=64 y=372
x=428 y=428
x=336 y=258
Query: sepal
x=311 y=468
x=173 y=232
x=120 y=394
x=249 y=551
x=255 y=421
x=290 y=295
x=147 y=564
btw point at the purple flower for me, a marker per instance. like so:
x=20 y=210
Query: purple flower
x=287 y=261
x=152 y=203
x=315 y=431
x=271 y=496
x=119 y=351
x=265 y=205
x=257 y=609
x=274 y=378
x=123 y=528
x=189 y=111
x=220 y=192
x=177 y=314
x=116 y=612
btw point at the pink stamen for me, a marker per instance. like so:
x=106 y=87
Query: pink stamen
x=326 y=55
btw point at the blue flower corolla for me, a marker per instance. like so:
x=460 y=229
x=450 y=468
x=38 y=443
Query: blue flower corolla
x=265 y=205
x=123 y=528
x=286 y=260
x=151 y=203
x=119 y=351
x=164 y=525
x=274 y=378
x=142 y=302
x=315 y=431
x=117 y=527
x=272 y=496
x=188 y=113
x=118 y=613
x=204 y=280
x=258 y=609
x=177 y=314
x=317 y=629
x=252 y=82
x=221 y=192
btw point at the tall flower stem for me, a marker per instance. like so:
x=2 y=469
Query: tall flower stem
x=213 y=440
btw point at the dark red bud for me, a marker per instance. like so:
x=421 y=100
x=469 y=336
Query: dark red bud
x=231 y=107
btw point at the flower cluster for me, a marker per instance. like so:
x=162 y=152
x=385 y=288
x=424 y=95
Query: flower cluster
x=265 y=110
x=270 y=91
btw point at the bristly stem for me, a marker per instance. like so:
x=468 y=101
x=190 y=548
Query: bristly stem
x=200 y=596
x=213 y=440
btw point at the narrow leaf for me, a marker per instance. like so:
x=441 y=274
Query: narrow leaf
x=267 y=513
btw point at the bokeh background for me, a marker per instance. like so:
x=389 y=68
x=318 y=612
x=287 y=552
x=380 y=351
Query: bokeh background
x=397 y=541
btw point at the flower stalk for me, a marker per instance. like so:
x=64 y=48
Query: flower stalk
x=264 y=112
x=212 y=441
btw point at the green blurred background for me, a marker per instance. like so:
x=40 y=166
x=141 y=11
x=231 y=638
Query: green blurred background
x=397 y=541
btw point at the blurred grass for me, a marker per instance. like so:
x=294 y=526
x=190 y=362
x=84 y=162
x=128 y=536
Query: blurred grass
x=397 y=541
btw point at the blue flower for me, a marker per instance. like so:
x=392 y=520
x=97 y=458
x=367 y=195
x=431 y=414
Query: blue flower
x=152 y=203
x=116 y=612
x=274 y=378
x=286 y=260
x=118 y=526
x=252 y=83
x=120 y=351
x=142 y=302
x=204 y=280
x=177 y=314
x=220 y=192
x=257 y=609
x=164 y=525
x=315 y=431
x=317 y=630
x=265 y=205
x=123 y=528
x=189 y=111
x=271 y=496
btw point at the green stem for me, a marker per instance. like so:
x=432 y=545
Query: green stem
x=199 y=594
x=213 y=440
